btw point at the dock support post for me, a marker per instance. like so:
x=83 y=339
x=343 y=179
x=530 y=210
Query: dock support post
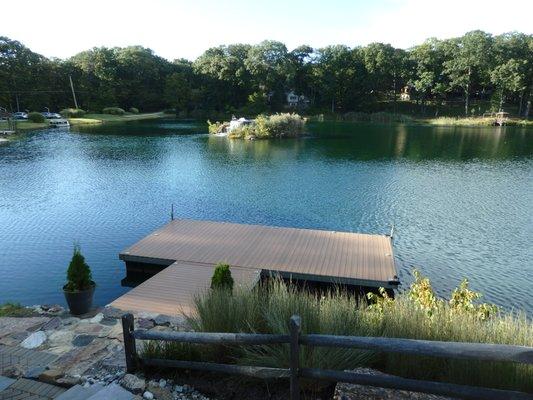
x=295 y=327
x=129 y=342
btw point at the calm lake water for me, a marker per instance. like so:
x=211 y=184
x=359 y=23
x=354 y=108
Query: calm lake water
x=460 y=198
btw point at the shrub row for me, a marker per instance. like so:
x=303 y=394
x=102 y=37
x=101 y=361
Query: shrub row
x=72 y=113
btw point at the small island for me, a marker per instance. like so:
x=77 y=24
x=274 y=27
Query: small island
x=262 y=127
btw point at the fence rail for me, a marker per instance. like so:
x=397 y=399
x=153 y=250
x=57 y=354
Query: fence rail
x=472 y=351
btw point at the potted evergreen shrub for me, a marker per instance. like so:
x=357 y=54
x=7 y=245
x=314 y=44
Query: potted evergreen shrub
x=222 y=278
x=79 y=288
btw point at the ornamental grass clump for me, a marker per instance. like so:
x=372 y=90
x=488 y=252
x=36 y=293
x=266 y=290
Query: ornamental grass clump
x=417 y=313
x=79 y=277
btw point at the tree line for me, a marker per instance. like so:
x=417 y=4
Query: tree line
x=476 y=67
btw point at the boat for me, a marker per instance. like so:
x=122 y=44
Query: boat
x=6 y=133
x=59 y=123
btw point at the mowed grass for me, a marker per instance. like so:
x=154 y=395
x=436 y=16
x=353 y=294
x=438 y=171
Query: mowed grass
x=267 y=309
x=101 y=118
x=24 y=125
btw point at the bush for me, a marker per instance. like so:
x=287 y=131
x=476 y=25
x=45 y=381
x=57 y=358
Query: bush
x=36 y=117
x=222 y=278
x=15 y=310
x=72 y=113
x=134 y=110
x=113 y=111
x=79 y=275
x=265 y=127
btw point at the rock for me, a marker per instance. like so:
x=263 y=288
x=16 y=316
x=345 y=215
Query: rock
x=144 y=323
x=51 y=375
x=133 y=383
x=34 y=372
x=83 y=340
x=53 y=324
x=35 y=340
x=96 y=319
x=178 y=389
x=162 y=383
x=112 y=312
x=166 y=320
x=68 y=381
x=11 y=325
x=70 y=321
x=148 y=395
x=162 y=393
x=349 y=391
x=109 y=321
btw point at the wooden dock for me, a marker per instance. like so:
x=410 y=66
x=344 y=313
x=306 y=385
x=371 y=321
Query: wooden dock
x=181 y=256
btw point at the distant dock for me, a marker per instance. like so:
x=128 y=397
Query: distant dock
x=177 y=261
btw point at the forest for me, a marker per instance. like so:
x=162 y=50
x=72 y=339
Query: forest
x=467 y=75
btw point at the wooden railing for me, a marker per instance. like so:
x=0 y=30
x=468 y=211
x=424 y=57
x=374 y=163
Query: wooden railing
x=467 y=351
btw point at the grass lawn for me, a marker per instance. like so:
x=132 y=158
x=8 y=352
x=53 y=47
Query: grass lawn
x=101 y=118
x=24 y=125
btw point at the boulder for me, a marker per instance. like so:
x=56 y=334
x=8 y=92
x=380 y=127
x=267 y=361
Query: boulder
x=133 y=383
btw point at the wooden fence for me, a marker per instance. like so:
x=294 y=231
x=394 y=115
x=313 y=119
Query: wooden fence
x=467 y=351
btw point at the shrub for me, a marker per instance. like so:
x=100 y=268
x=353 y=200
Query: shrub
x=217 y=127
x=113 y=111
x=72 y=113
x=15 y=310
x=134 y=110
x=36 y=117
x=222 y=278
x=79 y=275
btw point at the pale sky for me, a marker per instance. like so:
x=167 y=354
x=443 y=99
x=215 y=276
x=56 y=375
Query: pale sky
x=177 y=28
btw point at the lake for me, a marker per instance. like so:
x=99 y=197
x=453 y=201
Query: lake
x=459 y=198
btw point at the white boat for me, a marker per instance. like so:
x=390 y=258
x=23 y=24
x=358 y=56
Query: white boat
x=59 y=123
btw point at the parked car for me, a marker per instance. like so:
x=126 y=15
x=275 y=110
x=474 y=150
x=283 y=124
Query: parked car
x=20 y=115
x=50 y=115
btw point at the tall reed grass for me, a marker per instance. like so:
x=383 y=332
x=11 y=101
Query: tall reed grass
x=415 y=314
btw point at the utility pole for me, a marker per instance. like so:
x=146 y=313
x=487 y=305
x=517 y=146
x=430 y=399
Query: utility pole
x=73 y=93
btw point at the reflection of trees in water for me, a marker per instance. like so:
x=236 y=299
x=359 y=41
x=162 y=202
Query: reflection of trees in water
x=276 y=150
x=370 y=142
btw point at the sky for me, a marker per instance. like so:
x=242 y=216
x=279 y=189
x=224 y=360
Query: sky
x=185 y=29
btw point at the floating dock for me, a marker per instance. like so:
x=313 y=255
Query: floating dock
x=177 y=261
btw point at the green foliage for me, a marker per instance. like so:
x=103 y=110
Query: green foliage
x=73 y=113
x=266 y=127
x=134 y=110
x=379 y=117
x=79 y=273
x=222 y=278
x=416 y=314
x=36 y=117
x=113 y=111
x=216 y=127
x=14 y=310
x=256 y=78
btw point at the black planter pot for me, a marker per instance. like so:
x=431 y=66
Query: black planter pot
x=80 y=302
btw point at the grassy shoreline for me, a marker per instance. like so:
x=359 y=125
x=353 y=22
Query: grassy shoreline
x=88 y=119
x=92 y=119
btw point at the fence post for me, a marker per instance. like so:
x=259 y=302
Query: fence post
x=295 y=356
x=129 y=342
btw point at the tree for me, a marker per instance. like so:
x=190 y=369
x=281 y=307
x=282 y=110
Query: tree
x=468 y=62
x=427 y=78
x=508 y=78
x=270 y=69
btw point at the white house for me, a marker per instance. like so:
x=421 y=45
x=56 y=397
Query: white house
x=294 y=100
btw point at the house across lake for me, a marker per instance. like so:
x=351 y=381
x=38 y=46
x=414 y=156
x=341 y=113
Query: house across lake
x=177 y=261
